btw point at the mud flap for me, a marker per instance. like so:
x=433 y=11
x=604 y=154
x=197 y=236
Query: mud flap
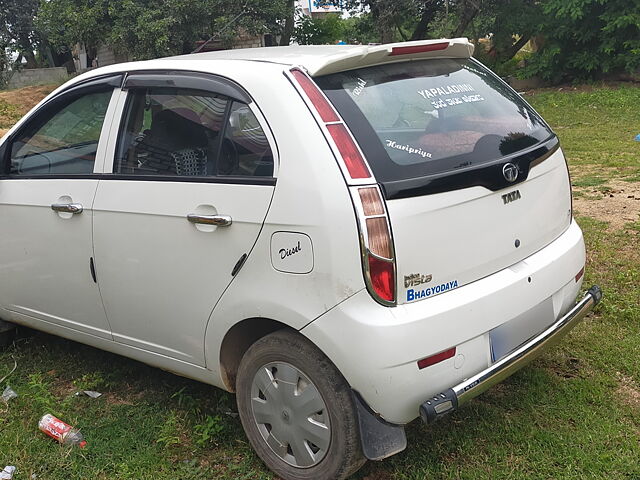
x=379 y=439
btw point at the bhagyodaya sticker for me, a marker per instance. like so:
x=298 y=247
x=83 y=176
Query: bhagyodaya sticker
x=408 y=148
x=428 y=292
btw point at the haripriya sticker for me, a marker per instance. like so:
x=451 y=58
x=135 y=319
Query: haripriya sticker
x=407 y=148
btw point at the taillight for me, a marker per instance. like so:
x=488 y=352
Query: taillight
x=378 y=260
x=350 y=157
x=321 y=104
x=349 y=151
x=377 y=245
x=379 y=238
x=382 y=278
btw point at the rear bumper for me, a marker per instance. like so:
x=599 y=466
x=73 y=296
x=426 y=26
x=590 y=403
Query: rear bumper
x=450 y=400
x=377 y=348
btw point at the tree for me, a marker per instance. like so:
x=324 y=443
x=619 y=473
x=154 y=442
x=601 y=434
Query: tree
x=155 y=28
x=429 y=11
x=508 y=32
x=386 y=15
x=583 y=39
x=289 y=24
x=67 y=22
x=17 y=28
x=320 y=31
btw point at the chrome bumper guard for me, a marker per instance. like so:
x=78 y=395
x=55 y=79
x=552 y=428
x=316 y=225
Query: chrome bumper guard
x=448 y=401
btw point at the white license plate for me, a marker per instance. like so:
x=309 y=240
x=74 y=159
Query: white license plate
x=510 y=335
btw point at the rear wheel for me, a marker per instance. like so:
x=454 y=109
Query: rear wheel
x=297 y=410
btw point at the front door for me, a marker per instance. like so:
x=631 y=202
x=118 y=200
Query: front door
x=191 y=186
x=46 y=196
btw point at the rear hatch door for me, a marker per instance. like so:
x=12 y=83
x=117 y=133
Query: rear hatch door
x=473 y=177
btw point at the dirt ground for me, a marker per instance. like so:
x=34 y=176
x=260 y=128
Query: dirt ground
x=26 y=98
x=23 y=99
x=628 y=391
x=618 y=204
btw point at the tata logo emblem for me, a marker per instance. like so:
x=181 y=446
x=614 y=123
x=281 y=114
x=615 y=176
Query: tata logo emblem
x=511 y=196
x=510 y=172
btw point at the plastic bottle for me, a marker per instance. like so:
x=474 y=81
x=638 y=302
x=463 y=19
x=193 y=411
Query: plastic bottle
x=60 y=431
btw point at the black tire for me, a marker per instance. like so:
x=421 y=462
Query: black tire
x=343 y=456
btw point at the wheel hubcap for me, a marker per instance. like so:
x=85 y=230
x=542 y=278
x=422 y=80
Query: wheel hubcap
x=290 y=414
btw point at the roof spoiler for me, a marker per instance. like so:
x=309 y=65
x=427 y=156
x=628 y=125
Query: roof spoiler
x=369 y=55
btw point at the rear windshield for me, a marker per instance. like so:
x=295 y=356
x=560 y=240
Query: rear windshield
x=429 y=117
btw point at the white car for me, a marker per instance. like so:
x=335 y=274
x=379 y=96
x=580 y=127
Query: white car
x=348 y=237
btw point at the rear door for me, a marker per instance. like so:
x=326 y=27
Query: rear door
x=46 y=198
x=190 y=187
x=473 y=177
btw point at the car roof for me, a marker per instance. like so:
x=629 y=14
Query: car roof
x=315 y=59
x=325 y=59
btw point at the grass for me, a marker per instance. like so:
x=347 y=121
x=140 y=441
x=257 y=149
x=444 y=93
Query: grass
x=574 y=413
x=596 y=126
x=9 y=114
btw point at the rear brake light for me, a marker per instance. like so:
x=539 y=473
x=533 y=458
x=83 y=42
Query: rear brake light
x=382 y=278
x=437 y=358
x=408 y=50
x=321 y=104
x=349 y=151
x=379 y=264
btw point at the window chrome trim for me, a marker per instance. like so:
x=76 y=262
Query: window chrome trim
x=230 y=180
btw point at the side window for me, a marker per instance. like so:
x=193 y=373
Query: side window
x=245 y=149
x=172 y=131
x=169 y=131
x=61 y=140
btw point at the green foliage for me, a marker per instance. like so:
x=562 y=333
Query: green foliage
x=91 y=381
x=186 y=401
x=583 y=39
x=145 y=29
x=9 y=114
x=169 y=431
x=208 y=430
x=320 y=31
x=360 y=29
x=17 y=29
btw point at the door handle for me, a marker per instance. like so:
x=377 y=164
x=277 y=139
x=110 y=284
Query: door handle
x=67 y=207
x=217 y=220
